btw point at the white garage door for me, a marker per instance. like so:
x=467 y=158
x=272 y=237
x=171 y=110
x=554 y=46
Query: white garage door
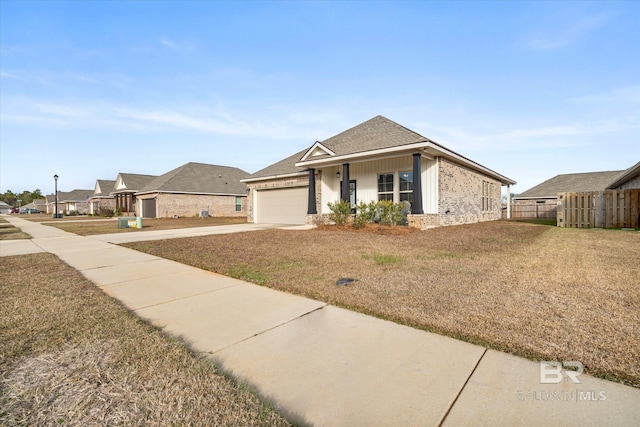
x=282 y=206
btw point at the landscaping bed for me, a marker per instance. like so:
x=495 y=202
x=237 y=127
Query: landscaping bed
x=536 y=291
x=71 y=355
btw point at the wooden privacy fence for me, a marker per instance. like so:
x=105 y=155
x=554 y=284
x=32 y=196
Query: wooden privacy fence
x=599 y=209
x=533 y=210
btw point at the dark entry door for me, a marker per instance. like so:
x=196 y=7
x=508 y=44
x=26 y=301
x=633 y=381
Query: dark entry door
x=149 y=208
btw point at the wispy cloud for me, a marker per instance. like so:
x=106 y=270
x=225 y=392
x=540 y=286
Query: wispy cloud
x=564 y=34
x=7 y=75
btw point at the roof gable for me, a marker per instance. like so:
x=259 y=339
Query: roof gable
x=103 y=187
x=199 y=178
x=374 y=134
x=317 y=150
x=131 y=182
x=625 y=176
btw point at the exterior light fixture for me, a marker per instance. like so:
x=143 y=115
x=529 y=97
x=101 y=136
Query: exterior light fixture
x=338 y=175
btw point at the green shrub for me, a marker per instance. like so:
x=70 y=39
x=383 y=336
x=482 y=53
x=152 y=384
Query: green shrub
x=390 y=213
x=365 y=214
x=340 y=212
x=108 y=212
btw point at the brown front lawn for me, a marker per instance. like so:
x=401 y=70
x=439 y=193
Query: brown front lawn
x=533 y=290
x=9 y=232
x=87 y=228
x=71 y=355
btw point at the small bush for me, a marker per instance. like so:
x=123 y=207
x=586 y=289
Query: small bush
x=108 y=212
x=118 y=212
x=390 y=213
x=340 y=212
x=365 y=214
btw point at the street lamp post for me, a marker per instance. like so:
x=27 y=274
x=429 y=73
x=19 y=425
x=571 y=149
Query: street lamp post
x=55 y=213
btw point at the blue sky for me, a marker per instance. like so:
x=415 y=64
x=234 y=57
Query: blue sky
x=89 y=89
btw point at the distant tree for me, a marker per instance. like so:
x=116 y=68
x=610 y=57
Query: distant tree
x=9 y=197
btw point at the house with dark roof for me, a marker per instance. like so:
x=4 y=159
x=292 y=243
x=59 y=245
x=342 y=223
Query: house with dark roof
x=192 y=189
x=101 y=200
x=125 y=188
x=547 y=192
x=377 y=160
x=69 y=201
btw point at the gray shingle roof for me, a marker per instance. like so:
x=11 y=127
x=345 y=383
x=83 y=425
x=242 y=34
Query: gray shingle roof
x=74 y=195
x=199 y=178
x=571 y=182
x=625 y=176
x=133 y=182
x=283 y=167
x=105 y=187
x=374 y=134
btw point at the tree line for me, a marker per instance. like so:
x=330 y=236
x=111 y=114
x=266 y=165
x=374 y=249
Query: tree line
x=26 y=197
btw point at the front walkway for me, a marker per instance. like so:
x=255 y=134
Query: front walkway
x=324 y=365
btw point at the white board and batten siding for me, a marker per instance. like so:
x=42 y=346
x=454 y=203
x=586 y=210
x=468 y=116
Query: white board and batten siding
x=366 y=176
x=281 y=206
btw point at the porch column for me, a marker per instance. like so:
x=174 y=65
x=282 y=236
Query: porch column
x=345 y=183
x=311 y=204
x=508 y=202
x=416 y=208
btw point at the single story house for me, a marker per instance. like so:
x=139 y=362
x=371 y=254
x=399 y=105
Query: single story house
x=377 y=160
x=193 y=189
x=124 y=189
x=101 y=199
x=70 y=201
x=5 y=208
x=547 y=192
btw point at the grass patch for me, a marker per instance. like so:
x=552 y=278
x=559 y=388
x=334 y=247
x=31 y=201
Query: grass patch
x=245 y=272
x=71 y=355
x=9 y=232
x=384 y=259
x=553 y=222
x=540 y=292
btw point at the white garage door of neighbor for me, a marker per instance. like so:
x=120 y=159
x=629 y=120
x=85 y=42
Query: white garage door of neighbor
x=283 y=206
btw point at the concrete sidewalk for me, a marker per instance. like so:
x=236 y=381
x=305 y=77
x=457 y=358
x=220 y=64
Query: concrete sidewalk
x=323 y=365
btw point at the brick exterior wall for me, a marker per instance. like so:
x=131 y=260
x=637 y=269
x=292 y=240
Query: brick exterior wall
x=103 y=203
x=294 y=181
x=459 y=198
x=169 y=205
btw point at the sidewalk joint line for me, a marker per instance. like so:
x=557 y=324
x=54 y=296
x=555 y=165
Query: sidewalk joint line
x=268 y=329
x=178 y=299
x=462 y=388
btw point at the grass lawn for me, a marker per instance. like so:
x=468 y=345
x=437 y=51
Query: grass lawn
x=71 y=355
x=87 y=228
x=9 y=232
x=533 y=290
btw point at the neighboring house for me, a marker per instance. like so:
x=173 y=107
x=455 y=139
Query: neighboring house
x=377 y=160
x=627 y=180
x=547 y=192
x=124 y=189
x=39 y=204
x=5 y=208
x=69 y=201
x=101 y=199
x=192 y=189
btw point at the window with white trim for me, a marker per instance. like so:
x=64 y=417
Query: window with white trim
x=406 y=186
x=238 y=204
x=385 y=186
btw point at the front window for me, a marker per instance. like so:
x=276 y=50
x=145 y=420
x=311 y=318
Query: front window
x=406 y=186
x=238 y=204
x=385 y=186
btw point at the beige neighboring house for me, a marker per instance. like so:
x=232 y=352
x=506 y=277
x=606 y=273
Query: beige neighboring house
x=70 y=201
x=125 y=188
x=627 y=180
x=101 y=199
x=5 y=208
x=194 y=189
x=40 y=204
x=377 y=160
